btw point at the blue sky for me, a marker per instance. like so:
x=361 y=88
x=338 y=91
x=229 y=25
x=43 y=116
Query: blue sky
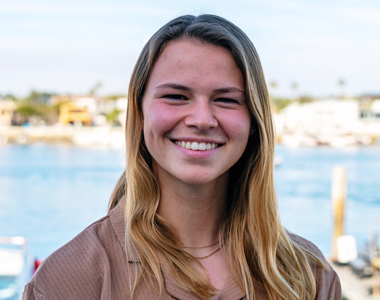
x=68 y=46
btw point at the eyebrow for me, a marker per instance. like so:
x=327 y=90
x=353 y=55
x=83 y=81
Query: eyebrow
x=229 y=90
x=173 y=86
x=185 y=88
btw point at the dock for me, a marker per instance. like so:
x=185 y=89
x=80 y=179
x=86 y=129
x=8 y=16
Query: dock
x=353 y=287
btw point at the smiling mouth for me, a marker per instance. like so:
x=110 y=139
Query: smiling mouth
x=197 y=146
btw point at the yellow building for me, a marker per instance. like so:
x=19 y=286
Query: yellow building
x=70 y=113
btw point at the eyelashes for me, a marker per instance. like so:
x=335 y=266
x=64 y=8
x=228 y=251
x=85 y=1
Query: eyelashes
x=226 y=100
x=175 y=97
x=184 y=98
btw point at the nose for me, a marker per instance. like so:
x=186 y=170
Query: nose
x=201 y=115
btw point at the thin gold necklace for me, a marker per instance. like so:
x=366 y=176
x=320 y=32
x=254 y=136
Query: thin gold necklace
x=190 y=258
x=201 y=247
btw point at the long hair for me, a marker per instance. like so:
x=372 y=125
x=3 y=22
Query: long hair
x=264 y=255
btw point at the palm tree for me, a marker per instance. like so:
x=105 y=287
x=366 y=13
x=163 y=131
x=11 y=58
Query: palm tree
x=294 y=86
x=272 y=87
x=95 y=88
x=341 y=85
x=273 y=84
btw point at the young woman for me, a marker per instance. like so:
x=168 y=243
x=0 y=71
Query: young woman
x=194 y=216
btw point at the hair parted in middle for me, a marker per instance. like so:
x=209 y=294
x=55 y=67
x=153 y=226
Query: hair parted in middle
x=262 y=254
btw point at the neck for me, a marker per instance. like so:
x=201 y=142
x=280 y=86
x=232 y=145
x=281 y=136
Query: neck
x=194 y=211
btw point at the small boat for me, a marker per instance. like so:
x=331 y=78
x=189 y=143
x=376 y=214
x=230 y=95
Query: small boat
x=16 y=267
x=368 y=259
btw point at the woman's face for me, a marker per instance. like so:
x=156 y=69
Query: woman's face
x=196 y=119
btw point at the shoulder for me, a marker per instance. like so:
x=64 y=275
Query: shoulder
x=87 y=247
x=307 y=245
x=327 y=281
x=81 y=267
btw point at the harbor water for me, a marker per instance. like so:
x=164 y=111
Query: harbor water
x=48 y=194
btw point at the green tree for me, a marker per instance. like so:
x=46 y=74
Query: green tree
x=95 y=88
x=305 y=99
x=279 y=104
x=115 y=96
x=294 y=87
x=341 y=84
x=273 y=84
x=36 y=104
x=9 y=97
x=113 y=117
x=38 y=98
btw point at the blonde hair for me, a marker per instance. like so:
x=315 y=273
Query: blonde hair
x=263 y=253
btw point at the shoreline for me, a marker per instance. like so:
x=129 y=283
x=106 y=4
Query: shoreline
x=67 y=135
x=114 y=137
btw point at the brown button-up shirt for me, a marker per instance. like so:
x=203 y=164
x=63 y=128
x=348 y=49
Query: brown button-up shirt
x=94 y=266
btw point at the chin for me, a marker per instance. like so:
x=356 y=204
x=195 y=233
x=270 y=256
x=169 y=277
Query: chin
x=202 y=180
x=198 y=182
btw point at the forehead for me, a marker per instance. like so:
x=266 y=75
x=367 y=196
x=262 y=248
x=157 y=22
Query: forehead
x=190 y=59
x=183 y=49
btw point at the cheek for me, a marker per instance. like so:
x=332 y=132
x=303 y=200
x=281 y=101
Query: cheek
x=158 y=120
x=238 y=126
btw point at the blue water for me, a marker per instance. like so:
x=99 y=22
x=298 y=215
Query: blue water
x=48 y=194
x=303 y=185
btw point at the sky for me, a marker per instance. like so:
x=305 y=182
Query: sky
x=69 y=46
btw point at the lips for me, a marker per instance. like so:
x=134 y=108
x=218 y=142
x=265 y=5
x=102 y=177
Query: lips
x=202 y=146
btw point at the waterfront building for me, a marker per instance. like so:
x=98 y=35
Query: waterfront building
x=71 y=113
x=7 y=109
x=333 y=122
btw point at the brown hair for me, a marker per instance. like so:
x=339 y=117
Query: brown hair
x=264 y=254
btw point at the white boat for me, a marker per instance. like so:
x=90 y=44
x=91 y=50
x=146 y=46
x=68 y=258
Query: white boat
x=16 y=267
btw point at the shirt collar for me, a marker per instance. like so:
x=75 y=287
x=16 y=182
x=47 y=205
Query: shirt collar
x=231 y=288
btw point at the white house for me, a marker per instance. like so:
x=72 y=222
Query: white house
x=322 y=117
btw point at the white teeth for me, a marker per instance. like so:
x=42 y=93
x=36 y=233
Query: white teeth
x=196 y=146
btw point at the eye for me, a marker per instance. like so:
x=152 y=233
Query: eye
x=175 y=97
x=226 y=100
